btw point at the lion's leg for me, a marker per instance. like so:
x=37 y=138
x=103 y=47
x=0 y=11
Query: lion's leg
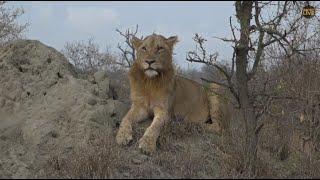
x=134 y=115
x=147 y=144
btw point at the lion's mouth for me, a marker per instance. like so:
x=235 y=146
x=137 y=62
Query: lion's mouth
x=151 y=72
x=150 y=68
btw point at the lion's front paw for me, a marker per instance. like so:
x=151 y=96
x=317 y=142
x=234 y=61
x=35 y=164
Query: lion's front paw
x=147 y=145
x=124 y=136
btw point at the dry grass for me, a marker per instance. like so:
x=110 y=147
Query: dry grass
x=185 y=151
x=279 y=152
x=185 y=164
x=103 y=158
x=98 y=159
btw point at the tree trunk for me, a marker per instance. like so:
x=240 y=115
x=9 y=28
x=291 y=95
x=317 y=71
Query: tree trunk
x=243 y=10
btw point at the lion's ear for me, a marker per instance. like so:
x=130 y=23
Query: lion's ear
x=136 y=42
x=172 y=40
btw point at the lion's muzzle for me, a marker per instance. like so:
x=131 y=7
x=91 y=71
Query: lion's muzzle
x=151 y=68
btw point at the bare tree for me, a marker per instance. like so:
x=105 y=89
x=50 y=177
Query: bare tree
x=10 y=29
x=249 y=45
x=127 y=52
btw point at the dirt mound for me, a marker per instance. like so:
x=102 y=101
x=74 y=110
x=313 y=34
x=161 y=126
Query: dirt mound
x=45 y=107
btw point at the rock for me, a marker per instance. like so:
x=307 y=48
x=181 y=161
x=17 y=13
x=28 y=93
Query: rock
x=113 y=93
x=103 y=87
x=2 y=102
x=91 y=79
x=116 y=110
x=54 y=134
x=100 y=76
x=136 y=161
x=126 y=174
x=92 y=101
x=117 y=107
x=103 y=82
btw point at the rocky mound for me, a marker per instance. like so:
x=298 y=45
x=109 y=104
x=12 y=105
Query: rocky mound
x=45 y=107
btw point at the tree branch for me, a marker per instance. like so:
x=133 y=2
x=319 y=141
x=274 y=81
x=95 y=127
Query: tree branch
x=128 y=53
x=260 y=44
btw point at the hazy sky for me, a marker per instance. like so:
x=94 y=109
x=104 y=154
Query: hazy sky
x=55 y=23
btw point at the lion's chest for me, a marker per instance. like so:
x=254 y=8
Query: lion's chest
x=150 y=100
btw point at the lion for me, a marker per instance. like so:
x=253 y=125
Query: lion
x=156 y=90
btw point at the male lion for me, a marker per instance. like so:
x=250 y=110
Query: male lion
x=156 y=90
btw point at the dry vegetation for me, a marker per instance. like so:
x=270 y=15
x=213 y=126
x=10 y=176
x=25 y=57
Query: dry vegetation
x=10 y=29
x=273 y=79
x=286 y=88
x=102 y=158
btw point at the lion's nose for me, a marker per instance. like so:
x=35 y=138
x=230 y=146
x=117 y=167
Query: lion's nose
x=149 y=61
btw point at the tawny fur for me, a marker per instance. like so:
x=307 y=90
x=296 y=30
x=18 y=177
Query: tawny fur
x=166 y=95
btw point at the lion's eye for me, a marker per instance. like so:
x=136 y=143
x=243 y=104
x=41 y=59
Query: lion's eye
x=159 y=48
x=144 y=48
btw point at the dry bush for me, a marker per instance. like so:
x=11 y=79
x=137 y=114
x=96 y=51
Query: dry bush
x=99 y=159
x=88 y=57
x=300 y=125
x=290 y=135
x=10 y=29
x=230 y=149
x=248 y=76
x=289 y=139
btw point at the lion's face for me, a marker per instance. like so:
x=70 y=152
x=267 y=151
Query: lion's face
x=154 y=53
